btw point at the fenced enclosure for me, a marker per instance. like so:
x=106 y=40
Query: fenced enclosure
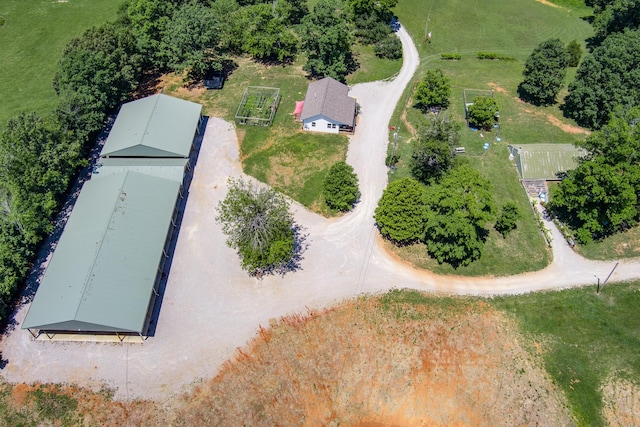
x=468 y=95
x=258 y=106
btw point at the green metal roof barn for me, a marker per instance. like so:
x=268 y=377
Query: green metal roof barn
x=156 y=126
x=103 y=275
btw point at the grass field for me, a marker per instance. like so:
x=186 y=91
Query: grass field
x=590 y=341
x=509 y=28
x=31 y=43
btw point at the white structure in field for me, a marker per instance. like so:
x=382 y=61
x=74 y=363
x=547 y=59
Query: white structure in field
x=328 y=108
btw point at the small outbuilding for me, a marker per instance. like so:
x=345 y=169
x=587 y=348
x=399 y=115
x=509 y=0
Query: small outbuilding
x=328 y=108
x=539 y=164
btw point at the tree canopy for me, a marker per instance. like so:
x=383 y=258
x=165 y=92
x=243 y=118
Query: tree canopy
x=103 y=64
x=601 y=196
x=258 y=225
x=456 y=211
x=399 y=215
x=433 y=90
x=340 y=187
x=482 y=113
x=605 y=79
x=433 y=149
x=544 y=72
x=327 y=41
x=574 y=48
x=267 y=37
x=506 y=222
x=191 y=39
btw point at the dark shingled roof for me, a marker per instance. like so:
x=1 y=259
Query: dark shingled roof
x=329 y=98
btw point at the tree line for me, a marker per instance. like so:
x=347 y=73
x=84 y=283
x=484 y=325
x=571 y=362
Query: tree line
x=601 y=196
x=40 y=154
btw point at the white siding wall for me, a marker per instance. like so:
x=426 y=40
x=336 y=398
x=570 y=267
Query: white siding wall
x=322 y=124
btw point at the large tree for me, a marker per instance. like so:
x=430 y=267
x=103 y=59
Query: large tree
x=327 y=41
x=258 y=225
x=399 y=214
x=148 y=20
x=191 y=40
x=103 y=64
x=482 y=112
x=340 y=187
x=615 y=17
x=544 y=72
x=267 y=37
x=606 y=79
x=433 y=90
x=433 y=149
x=456 y=212
x=602 y=195
x=37 y=161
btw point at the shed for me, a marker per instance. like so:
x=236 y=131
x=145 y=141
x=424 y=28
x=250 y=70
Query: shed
x=102 y=276
x=156 y=126
x=328 y=108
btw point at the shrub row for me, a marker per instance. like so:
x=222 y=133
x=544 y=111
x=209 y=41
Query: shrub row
x=451 y=56
x=496 y=56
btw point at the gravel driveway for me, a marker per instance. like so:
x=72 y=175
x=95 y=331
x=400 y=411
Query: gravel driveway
x=211 y=307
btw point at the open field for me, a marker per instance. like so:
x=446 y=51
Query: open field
x=32 y=40
x=402 y=358
x=590 y=344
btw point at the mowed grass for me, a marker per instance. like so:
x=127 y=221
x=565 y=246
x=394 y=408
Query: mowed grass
x=586 y=340
x=32 y=40
x=513 y=29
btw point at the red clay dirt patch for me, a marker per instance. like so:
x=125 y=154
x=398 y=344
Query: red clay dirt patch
x=364 y=365
x=566 y=127
x=621 y=402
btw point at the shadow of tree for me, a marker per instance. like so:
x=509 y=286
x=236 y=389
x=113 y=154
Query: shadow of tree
x=300 y=246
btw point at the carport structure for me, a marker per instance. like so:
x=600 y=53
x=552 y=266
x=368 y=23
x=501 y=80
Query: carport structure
x=103 y=276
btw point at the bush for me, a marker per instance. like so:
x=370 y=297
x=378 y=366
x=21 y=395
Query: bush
x=451 y=56
x=340 y=187
x=575 y=53
x=389 y=47
x=496 y=56
x=507 y=220
x=400 y=212
x=433 y=90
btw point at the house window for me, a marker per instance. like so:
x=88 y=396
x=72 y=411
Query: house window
x=313 y=124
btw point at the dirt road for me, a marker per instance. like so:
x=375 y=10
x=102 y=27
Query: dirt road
x=211 y=307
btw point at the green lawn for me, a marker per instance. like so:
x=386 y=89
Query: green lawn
x=510 y=28
x=32 y=40
x=587 y=340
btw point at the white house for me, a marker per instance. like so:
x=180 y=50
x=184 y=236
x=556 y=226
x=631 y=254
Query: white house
x=328 y=108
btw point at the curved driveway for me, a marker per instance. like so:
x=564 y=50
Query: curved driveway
x=211 y=307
